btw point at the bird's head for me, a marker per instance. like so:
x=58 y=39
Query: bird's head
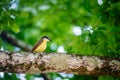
x=46 y=38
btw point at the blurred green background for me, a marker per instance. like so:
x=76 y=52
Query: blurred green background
x=85 y=27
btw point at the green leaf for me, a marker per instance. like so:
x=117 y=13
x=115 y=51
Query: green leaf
x=15 y=28
x=101 y=28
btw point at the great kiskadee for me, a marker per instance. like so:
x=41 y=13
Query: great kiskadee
x=41 y=45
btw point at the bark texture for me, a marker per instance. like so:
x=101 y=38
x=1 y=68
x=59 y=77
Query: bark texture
x=26 y=62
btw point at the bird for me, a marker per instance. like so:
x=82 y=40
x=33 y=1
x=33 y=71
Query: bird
x=41 y=45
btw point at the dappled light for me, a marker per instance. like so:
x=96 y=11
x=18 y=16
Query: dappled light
x=77 y=30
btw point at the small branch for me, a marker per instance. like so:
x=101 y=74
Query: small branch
x=16 y=42
x=26 y=62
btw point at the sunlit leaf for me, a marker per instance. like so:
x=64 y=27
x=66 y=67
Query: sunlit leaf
x=15 y=28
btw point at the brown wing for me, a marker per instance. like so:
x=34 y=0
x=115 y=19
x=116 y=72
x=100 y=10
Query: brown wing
x=37 y=44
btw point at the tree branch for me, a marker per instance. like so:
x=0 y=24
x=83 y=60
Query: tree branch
x=16 y=42
x=26 y=62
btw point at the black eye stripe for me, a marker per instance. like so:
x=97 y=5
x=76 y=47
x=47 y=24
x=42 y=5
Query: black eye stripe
x=46 y=37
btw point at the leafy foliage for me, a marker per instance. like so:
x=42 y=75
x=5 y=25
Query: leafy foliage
x=99 y=24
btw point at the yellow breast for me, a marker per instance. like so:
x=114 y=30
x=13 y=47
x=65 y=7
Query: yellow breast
x=41 y=47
